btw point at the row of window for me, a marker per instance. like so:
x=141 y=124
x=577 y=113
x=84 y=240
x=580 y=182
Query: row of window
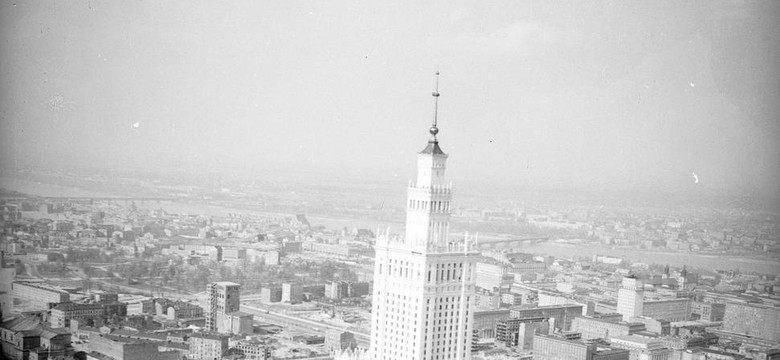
x=432 y=206
x=442 y=273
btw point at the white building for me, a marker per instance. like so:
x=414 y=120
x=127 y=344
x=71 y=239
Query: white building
x=424 y=283
x=631 y=298
x=642 y=347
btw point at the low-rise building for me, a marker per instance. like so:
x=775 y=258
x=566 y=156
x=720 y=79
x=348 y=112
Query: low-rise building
x=707 y=311
x=236 y=322
x=271 y=294
x=252 y=349
x=642 y=347
x=62 y=314
x=676 y=309
x=659 y=327
x=292 y=293
x=592 y=328
x=556 y=348
x=490 y=276
x=126 y=348
x=486 y=321
x=521 y=332
x=112 y=308
x=337 y=340
x=685 y=342
x=24 y=338
x=39 y=294
x=340 y=250
x=208 y=346
x=234 y=254
x=174 y=310
x=760 y=321
x=602 y=353
x=560 y=316
x=106 y=297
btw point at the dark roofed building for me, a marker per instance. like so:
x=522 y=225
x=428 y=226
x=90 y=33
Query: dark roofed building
x=25 y=338
x=123 y=348
x=62 y=314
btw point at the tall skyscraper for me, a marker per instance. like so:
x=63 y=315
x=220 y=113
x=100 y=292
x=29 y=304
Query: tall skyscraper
x=222 y=310
x=631 y=297
x=424 y=282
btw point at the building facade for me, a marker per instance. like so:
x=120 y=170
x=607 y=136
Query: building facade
x=292 y=293
x=222 y=312
x=24 y=338
x=120 y=348
x=177 y=309
x=560 y=316
x=424 y=282
x=678 y=309
x=631 y=297
x=592 y=328
x=643 y=348
x=208 y=346
x=252 y=350
x=62 y=314
x=485 y=322
x=271 y=293
x=490 y=276
x=520 y=332
x=707 y=311
x=7 y=276
x=556 y=348
x=39 y=294
x=754 y=320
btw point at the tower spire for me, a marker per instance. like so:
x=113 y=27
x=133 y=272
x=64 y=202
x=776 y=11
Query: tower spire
x=435 y=130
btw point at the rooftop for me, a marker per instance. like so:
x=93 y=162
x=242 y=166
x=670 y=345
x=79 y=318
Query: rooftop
x=209 y=336
x=20 y=324
x=74 y=306
x=41 y=285
x=433 y=148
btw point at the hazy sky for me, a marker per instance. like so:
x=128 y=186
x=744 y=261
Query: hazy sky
x=597 y=95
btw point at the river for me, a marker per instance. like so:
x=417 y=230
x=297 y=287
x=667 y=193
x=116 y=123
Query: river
x=678 y=259
x=725 y=262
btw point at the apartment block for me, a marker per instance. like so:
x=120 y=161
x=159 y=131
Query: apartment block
x=39 y=294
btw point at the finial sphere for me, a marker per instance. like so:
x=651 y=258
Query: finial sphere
x=433 y=130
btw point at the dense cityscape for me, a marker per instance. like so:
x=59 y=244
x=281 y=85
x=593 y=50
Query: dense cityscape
x=120 y=277
x=398 y=180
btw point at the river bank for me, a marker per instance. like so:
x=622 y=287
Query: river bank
x=675 y=259
x=563 y=250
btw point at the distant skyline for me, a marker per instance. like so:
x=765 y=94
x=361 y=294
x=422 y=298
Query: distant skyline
x=598 y=96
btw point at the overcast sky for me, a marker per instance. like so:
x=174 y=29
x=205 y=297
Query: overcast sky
x=593 y=95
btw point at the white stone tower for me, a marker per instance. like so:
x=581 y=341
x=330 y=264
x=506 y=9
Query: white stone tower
x=423 y=299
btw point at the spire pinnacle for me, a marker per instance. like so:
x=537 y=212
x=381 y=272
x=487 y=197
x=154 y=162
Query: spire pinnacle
x=435 y=130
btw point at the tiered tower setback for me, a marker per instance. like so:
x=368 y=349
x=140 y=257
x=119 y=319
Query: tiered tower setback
x=424 y=282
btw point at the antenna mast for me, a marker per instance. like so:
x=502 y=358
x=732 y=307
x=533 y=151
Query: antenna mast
x=435 y=130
